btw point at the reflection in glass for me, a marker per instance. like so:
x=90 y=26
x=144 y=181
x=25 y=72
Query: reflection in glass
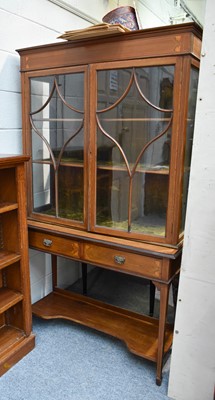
x=189 y=139
x=134 y=116
x=70 y=192
x=43 y=188
x=57 y=119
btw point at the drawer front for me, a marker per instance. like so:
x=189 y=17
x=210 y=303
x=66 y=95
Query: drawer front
x=123 y=261
x=54 y=244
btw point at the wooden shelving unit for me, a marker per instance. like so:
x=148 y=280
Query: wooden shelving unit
x=16 y=338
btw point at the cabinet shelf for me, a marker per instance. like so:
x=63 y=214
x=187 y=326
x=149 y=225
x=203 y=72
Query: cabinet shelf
x=8 y=258
x=139 y=332
x=6 y=206
x=132 y=119
x=8 y=298
x=69 y=163
x=163 y=170
x=58 y=119
x=157 y=170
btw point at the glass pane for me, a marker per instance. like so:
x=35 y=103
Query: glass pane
x=71 y=192
x=112 y=198
x=189 y=139
x=43 y=189
x=134 y=118
x=57 y=120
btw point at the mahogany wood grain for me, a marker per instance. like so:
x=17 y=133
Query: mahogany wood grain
x=115 y=242
x=164 y=296
x=156 y=42
x=131 y=263
x=57 y=245
x=11 y=160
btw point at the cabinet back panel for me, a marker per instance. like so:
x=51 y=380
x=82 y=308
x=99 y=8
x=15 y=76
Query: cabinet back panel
x=9 y=239
x=12 y=276
x=8 y=185
x=14 y=316
x=2 y=320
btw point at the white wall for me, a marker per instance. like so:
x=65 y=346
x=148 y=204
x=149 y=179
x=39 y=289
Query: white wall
x=153 y=13
x=197 y=7
x=192 y=373
x=26 y=23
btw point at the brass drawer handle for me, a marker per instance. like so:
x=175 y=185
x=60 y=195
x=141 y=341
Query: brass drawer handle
x=119 y=259
x=47 y=242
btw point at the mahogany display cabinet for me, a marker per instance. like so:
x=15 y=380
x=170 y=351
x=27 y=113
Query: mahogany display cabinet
x=108 y=123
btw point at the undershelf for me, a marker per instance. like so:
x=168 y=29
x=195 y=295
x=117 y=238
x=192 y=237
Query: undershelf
x=139 y=332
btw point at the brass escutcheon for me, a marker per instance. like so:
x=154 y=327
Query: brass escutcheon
x=47 y=242
x=119 y=259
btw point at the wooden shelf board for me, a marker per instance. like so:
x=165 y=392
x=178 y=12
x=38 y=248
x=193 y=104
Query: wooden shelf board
x=8 y=258
x=143 y=170
x=14 y=345
x=8 y=298
x=139 y=332
x=12 y=160
x=5 y=207
x=107 y=167
x=9 y=336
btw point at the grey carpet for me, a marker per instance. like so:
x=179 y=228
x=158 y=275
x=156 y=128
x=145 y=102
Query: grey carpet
x=71 y=362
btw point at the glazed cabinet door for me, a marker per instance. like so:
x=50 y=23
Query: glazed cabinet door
x=111 y=146
x=58 y=145
x=191 y=109
x=136 y=123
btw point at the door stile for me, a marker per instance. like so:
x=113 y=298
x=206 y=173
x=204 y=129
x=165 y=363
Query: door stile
x=92 y=96
x=182 y=104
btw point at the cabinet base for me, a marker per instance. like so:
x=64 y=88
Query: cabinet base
x=14 y=345
x=139 y=332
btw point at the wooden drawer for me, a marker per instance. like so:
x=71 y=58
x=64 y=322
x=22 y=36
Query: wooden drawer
x=121 y=260
x=54 y=244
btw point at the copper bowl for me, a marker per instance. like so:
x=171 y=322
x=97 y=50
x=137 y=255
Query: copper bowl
x=124 y=15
